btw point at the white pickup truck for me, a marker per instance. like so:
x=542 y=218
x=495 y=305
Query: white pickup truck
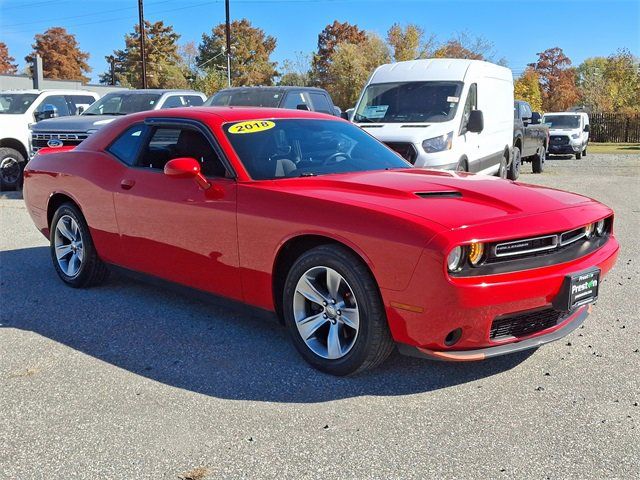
x=21 y=108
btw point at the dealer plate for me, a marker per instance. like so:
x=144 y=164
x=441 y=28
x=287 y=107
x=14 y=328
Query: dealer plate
x=583 y=288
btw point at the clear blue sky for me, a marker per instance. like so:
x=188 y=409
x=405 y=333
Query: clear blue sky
x=517 y=28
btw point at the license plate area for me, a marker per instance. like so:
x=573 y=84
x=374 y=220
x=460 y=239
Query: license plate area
x=578 y=289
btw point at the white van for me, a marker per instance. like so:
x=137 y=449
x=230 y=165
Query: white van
x=442 y=113
x=568 y=132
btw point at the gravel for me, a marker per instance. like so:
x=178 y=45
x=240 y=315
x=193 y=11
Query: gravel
x=131 y=381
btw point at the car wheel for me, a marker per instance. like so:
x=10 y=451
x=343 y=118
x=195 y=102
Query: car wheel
x=11 y=166
x=334 y=313
x=514 y=169
x=584 y=152
x=72 y=251
x=462 y=165
x=578 y=155
x=537 y=162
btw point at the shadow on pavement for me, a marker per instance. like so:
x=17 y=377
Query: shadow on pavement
x=194 y=345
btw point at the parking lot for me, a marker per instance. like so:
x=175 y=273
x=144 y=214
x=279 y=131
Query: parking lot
x=133 y=381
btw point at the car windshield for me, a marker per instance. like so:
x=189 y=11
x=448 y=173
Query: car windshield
x=402 y=102
x=304 y=147
x=562 y=121
x=123 y=103
x=16 y=103
x=246 y=98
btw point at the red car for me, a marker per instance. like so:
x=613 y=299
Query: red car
x=307 y=216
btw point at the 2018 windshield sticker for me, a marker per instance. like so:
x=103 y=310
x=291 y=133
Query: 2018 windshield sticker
x=252 y=126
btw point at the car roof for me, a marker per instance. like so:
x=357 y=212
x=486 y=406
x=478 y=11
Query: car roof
x=278 y=88
x=436 y=69
x=157 y=91
x=51 y=90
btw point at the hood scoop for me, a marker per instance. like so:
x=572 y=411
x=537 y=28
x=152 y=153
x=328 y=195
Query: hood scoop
x=441 y=194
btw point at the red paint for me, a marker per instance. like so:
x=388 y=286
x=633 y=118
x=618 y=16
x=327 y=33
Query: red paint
x=225 y=239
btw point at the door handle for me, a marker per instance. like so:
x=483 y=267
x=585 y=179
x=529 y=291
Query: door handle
x=127 y=184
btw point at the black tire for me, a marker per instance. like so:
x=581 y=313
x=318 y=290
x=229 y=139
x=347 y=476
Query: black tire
x=11 y=167
x=514 y=169
x=92 y=271
x=584 y=152
x=502 y=168
x=537 y=161
x=462 y=165
x=373 y=342
x=578 y=155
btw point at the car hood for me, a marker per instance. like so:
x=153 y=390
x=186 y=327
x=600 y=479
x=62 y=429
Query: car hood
x=452 y=199
x=415 y=132
x=75 y=123
x=564 y=131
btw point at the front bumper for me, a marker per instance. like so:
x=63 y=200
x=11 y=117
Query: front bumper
x=564 y=149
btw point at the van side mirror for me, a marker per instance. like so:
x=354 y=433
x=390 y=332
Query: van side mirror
x=476 y=121
x=185 y=167
x=586 y=128
x=535 y=118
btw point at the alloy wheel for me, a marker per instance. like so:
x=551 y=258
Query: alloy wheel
x=9 y=170
x=69 y=246
x=326 y=312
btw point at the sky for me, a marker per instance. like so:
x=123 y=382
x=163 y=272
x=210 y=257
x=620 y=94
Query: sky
x=517 y=28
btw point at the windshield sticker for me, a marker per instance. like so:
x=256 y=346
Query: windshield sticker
x=251 y=126
x=453 y=99
x=375 y=111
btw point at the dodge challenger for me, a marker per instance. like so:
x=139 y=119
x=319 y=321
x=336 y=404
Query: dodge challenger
x=309 y=217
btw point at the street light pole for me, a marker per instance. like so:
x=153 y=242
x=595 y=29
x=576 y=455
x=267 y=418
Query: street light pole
x=228 y=34
x=143 y=53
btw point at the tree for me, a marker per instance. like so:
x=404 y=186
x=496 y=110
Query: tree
x=328 y=41
x=251 y=51
x=296 y=72
x=210 y=81
x=408 y=43
x=557 y=80
x=62 y=58
x=163 y=61
x=527 y=88
x=350 y=66
x=463 y=45
x=593 y=85
x=188 y=64
x=622 y=75
x=6 y=60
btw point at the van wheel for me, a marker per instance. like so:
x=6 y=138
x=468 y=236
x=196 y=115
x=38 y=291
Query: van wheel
x=537 y=162
x=514 y=169
x=11 y=166
x=462 y=166
x=578 y=155
x=584 y=152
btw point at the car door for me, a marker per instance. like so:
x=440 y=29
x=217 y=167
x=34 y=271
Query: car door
x=171 y=228
x=471 y=140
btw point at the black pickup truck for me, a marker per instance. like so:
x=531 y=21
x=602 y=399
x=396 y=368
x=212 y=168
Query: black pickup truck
x=530 y=140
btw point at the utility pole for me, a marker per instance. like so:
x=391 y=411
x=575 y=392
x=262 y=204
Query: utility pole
x=143 y=54
x=113 y=70
x=228 y=33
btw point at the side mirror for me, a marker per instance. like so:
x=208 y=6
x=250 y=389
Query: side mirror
x=79 y=110
x=185 y=167
x=344 y=115
x=49 y=111
x=302 y=106
x=586 y=128
x=535 y=118
x=476 y=121
x=337 y=112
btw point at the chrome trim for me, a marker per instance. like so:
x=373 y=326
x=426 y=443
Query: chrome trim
x=530 y=250
x=569 y=242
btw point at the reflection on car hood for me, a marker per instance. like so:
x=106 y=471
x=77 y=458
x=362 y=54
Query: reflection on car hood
x=75 y=123
x=454 y=200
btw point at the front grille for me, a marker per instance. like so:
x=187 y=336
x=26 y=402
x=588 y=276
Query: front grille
x=559 y=140
x=526 y=323
x=39 y=140
x=404 y=149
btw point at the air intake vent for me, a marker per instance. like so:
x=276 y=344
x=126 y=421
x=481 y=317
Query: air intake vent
x=452 y=194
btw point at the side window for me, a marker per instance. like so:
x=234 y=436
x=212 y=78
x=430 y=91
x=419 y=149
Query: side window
x=81 y=102
x=293 y=99
x=127 y=145
x=59 y=104
x=470 y=104
x=173 y=102
x=167 y=143
x=193 y=100
x=321 y=103
x=526 y=113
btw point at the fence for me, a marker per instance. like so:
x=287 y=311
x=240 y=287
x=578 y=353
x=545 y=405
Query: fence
x=614 y=128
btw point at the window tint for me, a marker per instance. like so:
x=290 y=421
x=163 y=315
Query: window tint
x=173 y=102
x=81 y=101
x=321 y=103
x=127 y=146
x=123 y=103
x=470 y=105
x=58 y=102
x=168 y=143
x=526 y=111
x=293 y=99
x=255 y=97
x=193 y=100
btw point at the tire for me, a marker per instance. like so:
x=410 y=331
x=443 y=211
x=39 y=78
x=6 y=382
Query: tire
x=502 y=168
x=70 y=233
x=462 y=165
x=578 y=155
x=514 y=169
x=584 y=152
x=11 y=166
x=537 y=161
x=305 y=290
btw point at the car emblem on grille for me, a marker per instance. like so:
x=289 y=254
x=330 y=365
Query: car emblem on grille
x=55 y=143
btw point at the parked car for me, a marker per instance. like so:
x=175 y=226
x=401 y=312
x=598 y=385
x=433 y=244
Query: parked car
x=568 y=133
x=530 y=139
x=73 y=130
x=19 y=109
x=297 y=98
x=442 y=113
x=306 y=215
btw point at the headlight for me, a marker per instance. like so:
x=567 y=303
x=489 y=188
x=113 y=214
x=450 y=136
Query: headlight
x=589 y=230
x=600 y=227
x=438 y=144
x=575 y=136
x=455 y=259
x=476 y=250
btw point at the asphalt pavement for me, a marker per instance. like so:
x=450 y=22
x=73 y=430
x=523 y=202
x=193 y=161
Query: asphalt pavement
x=132 y=381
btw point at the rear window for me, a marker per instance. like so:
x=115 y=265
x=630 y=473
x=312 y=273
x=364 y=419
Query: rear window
x=320 y=103
x=246 y=98
x=127 y=145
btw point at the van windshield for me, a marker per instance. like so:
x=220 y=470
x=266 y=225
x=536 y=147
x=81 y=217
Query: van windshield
x=562 y=121
x=402 y=102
